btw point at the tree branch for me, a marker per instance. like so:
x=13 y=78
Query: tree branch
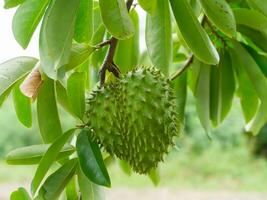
x=108 y=63
x=183 y=68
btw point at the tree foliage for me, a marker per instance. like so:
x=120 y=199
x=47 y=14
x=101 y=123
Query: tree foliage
x=216 y=47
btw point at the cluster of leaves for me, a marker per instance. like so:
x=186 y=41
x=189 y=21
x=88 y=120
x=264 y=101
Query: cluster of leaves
x=223 y=43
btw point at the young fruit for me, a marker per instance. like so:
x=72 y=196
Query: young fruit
x=135 y=118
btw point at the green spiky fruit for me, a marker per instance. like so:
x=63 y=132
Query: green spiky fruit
x=135 y=118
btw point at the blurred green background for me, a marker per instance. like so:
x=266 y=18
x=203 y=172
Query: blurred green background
x=231 y=160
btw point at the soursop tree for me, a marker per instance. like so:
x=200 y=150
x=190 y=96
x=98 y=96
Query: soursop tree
x=129 y=105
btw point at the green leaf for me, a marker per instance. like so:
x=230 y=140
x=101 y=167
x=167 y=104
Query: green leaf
x=193 y=74
x=258 y=121
x=84 y=22
x=116 y=18
x=47 y=112
x=88 y=189
x=26 y=19
x=76 y=93
x=48 y=158
x=56 y=182
x=154 y=176
x=259 y=59
x=246 y=92
x=194 y=35
x=222 y=88
x=180 y=91
x=56 y=35
x=251 y=18
x=32 y=155
x=253 y=71
x=13 y=70
x=220 y=13
x=71 y=190
x=62 y=97
x=257 y=37
x=91 y=160
x=4 y=96
x=79 y=54
x=195 y=4
x=148 y=5
x=127 y=52
x=98 y=56
x=12 y=3
x=259 y=5
x=20 y=194
x=203 y=96
x=22 y=106
x=159 y=36
x=97 y=16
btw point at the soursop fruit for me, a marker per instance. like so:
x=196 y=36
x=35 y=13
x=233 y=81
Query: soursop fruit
x=135 y=118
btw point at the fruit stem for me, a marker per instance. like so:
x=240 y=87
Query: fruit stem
x=108 y=63
x=183 y=68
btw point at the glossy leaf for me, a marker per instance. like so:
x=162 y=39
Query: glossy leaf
x=13 y=70
x=257 y=37
x=71 y=190
x=116 y=18
x=76 y=93
x=20 y=194
x=91 y=160
x=258 y=121
x=148 y=5
x=221 y=14
x=246 y=92
x=180 y=91
x=127 y=52
x=12 y=3
x=4 y=96
x=48 y=158
x=194 y=35
x=26 y=19
x=251 y=18
x=158 y=36
x=253 y=71
x=79 y=54
x=193 y=73
x=88 y=189
x=62 y=97
x=84 y=22
x=32 y=155
x=203 y=95
x=47 y=112
x=261 y=60
x=222 y=88
x=195 y=4
x=56 y=182
x=259 y=5
x=97 y=16
x=56 y=35
x=98 y=56
x=22 y=106
x=98 y=37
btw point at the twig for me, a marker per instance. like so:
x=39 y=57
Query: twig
x=183 y=68
x=105 y=43
x=108 y=63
